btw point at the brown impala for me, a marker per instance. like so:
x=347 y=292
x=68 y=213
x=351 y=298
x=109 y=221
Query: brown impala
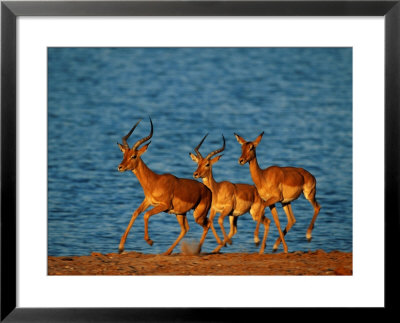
x=166 y=193
x=229 y=199
x=280 y=184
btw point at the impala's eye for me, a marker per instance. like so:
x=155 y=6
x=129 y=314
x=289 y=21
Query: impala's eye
x=208 y=165
x=251 y=147
x=133 y=157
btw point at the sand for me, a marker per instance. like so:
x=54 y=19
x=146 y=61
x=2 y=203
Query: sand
x=135 y=263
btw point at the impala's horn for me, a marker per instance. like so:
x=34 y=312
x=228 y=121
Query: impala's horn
x=125 y=138
x=218 y=150
x=198 y=147
x=139 y=142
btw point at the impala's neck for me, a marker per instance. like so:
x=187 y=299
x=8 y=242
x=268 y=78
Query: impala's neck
x=210 y=182
x=255 y=171
x=144 y=174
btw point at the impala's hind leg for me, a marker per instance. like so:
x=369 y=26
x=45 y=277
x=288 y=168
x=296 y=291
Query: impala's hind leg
x=256 y=230
x=257 y=213
x=186 y=224
x=182 y=222
x=157 y=209
x=200 y=216
x=310 y=196
x=266 y=223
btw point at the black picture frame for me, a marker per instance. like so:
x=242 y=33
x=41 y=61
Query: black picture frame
x=10 y=10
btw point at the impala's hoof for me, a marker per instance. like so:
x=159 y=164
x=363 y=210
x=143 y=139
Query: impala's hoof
x=216 y=250
x=120 y=250
x=222 y=244
x=229 y=241
x=167 y=253
x=150 y=242
x=257 y=243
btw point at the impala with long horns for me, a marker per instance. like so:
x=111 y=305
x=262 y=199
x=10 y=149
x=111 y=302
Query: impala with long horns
x=166 y=193
x=229 y=199
x=280 y=184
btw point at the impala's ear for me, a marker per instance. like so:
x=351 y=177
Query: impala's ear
x=215 y=159
x=240 y=139
x=258 y=139
x=122 y=148
x=142 y=150
x=194 y=158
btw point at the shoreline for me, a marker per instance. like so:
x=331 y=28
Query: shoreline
x=295 y=263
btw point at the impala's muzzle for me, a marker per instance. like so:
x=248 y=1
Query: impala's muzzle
x=121 y=168
x=196 y=175
x=242 y=161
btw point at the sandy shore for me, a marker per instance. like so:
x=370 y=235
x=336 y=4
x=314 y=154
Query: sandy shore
x=134 y=263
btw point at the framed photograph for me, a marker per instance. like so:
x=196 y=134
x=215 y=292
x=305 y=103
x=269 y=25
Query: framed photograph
x=87 y=86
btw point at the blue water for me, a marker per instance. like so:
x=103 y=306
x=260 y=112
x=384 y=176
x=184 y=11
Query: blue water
x=300 y=97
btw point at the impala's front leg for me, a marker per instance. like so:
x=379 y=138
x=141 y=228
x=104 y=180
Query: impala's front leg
x=224 y=213
x=291 y=221
x=233 y=227
x=271 y=203
x=221 y=218
x=143 y=206
x=148 y=214
x=212 y=216
x=256 y=231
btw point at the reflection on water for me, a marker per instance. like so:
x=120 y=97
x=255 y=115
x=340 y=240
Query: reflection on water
x=300 y=97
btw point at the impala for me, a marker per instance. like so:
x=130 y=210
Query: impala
x=166 y=193
x=280 y=184
x=229 y=199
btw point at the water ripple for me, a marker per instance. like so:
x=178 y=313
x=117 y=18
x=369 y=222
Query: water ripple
x=300 y=97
